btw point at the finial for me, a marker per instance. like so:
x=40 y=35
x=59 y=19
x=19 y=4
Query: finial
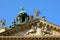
x=14 y=20
x=37 y=13
x=43 y=18
x=13 y=23
x=31 y=18
x=3 y=23
x=22 y=8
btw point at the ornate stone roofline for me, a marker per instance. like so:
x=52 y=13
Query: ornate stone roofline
x=27 y=26
x=28 y=38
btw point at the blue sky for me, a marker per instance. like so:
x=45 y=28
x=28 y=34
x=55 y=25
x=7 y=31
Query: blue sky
x=9 y=9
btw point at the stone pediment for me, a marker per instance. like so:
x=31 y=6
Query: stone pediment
x=27 y=29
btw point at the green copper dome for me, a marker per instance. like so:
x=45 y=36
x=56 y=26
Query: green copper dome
x=22 y=17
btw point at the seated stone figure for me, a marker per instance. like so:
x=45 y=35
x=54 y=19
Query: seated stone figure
x=32 y=30
x=45 y=31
